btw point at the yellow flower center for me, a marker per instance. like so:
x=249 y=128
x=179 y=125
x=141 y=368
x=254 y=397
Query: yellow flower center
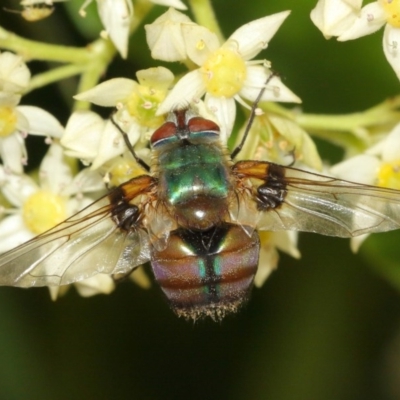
x=143 y=105
x=43 y=210
x=389 y=175
x=392 y=10
x=224 y=73
x=8 y=121
x=123 y=170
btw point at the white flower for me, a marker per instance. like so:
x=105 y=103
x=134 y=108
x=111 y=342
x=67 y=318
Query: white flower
x=15 y=123
x=348 y=20
x=39 y=207
x=14 y=74
x=136 y=103
x=117 y=16
x=165 y=36
x=279 y=139
x=225 y=72
x=333 y=17
x=82 y=135
x=379 y=166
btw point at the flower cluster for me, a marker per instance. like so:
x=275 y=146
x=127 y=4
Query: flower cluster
x=222 y=73
x=216 y=76
x=349 y=20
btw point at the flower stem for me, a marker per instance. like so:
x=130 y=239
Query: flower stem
x=32 y=50
x=355 y=130
x=54 y=75
x=204 y=15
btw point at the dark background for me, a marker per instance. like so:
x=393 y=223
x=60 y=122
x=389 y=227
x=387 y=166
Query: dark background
x=325 y=327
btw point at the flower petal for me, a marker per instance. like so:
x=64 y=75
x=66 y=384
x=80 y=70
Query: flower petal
x=164 y=36
x=199 y=42
x=112 y=144
x=9 y=99
x=13 y=232
x=14 y=74
x=287 y=241
x=362 y=169
x=225 y=111
x=268 y=261
x=356 y=242
x=41 y=122
x=158 y=77
x=391 y=47
x=391 y=145
x=109 y=93
x=17 y=188
x=54 y=173
x=98 y=284
x=370 y=19
x=82 y=135
x=13 y=152
x=275 y=91
x=140 y=277
x=334 y=17
x=255 y=36
x=116 y=16
x=189 y=88
x=86 y=181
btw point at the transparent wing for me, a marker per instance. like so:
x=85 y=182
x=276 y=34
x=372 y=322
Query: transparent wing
x=86 y=244
x=321 y=204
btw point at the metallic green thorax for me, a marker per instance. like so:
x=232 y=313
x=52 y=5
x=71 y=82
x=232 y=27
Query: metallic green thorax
x=188 y=170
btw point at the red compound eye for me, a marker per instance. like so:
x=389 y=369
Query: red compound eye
x=165 y=131
x=198 y=124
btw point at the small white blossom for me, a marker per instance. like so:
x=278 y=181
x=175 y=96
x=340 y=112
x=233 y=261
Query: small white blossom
x=14 y=74
x=348 y=20
x=38 y=207
x=117 y=16
x=136 y=103
x=165 y=36
x=225 y=72
x=82 y=135
x=18 y=121
x=379 y=166
x=333 y=17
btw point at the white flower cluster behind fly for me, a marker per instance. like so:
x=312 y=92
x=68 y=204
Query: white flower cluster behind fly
x=217 y=75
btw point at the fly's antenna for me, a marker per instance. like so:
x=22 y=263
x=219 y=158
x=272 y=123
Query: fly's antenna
x=129 y=146
x=253 y=113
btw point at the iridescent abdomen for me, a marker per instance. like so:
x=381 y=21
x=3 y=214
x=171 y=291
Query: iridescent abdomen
x=207 y=273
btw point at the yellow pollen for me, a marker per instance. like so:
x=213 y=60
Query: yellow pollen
x=389 y=175
x=392 y=10
x=143 y=105
x=124 y=170
x=224 y=73
x=43 y=210
x=200 y=45
x=8 y=121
